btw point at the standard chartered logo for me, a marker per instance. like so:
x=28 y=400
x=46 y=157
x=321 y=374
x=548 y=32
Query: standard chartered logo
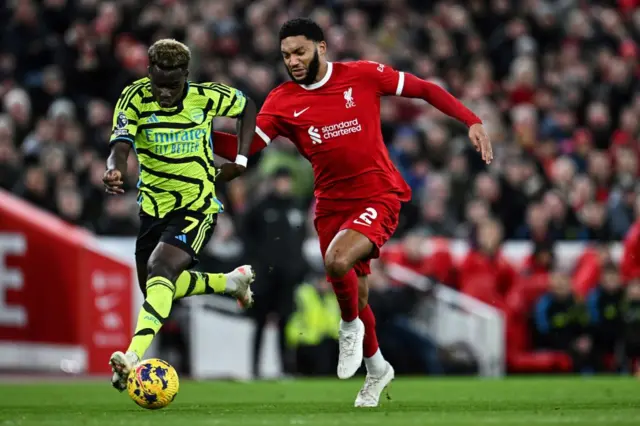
x=315 y=136
x=341 y=129
x=333 y=131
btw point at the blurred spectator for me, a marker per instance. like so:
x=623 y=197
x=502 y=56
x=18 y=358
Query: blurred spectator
x=409 y=253
x=560 y=323
x=630 y=263
x=536 y=227
x=34 y=188
x=589 y=267
x=402 y=342
x=312 y=331
x=484 y=273
x=541 y=262
x=274 y=230
x=621 y=206
x=631 y=319
x=605 y=317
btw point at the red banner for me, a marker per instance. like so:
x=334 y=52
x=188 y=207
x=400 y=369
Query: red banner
x=57 y=289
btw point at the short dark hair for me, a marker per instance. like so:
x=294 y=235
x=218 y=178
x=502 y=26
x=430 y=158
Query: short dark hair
x=302 y=27
x=169 y=54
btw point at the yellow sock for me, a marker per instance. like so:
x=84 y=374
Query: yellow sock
x=191 y=283
x=155 y=311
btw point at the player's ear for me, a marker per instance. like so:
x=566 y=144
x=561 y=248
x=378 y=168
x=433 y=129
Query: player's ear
x=322 y=47
x=186 y=73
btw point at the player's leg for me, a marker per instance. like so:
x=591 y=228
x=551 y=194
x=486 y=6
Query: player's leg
x=373 y=359
x=375 y=223
x=192 y=232
x=346 y=248
x=379 y=371
x=165 y=264
x=180 y=242
x=148 y=237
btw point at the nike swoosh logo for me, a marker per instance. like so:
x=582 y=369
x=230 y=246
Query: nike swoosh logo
x=298 y=114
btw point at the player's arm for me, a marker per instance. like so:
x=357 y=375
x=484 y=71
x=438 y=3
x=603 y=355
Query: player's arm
x=233 y=103
x=398 y=83
x=245 y=127
x=125 y=127
x=226 y=145
x=268 y=127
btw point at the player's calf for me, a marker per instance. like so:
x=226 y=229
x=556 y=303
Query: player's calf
x=236 y=283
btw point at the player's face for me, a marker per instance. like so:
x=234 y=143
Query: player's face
x=302 y=58
x=167 y=86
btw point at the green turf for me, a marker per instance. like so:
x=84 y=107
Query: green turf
x=522 y=401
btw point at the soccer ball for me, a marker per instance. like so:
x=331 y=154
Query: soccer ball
x=153 y=384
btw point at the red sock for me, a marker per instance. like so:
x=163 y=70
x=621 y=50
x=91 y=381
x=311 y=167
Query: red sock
x=370 y=336
x=346 y=290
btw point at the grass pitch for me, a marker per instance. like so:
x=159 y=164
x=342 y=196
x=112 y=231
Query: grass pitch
x=514 y=401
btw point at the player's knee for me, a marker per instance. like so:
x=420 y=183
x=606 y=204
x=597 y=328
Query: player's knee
x=157 y=268
x=336 y=265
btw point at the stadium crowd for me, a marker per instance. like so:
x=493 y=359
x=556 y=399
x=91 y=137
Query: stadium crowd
x=554 y=81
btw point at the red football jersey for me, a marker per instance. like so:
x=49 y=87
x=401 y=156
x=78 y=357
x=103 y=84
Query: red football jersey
x=335 y=123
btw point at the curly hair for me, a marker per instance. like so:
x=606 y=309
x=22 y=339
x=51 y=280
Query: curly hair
x=302 y=27
x=169 y=54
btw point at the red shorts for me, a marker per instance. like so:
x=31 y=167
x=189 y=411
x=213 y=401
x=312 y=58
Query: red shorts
x=376 y=219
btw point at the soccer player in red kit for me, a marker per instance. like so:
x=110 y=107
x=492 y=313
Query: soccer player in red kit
x=331 y=112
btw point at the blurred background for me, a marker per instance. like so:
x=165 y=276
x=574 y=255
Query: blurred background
x=531 y=265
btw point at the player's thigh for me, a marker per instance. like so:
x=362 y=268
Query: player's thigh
x=148 y=238
x=376 y=220
x=345 y=250
x=190 y=232
x=327 y=226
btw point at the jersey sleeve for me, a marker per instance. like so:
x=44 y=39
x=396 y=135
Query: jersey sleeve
x=229 y=101
x=268 y=123
x=386 y=80
x=125 y=116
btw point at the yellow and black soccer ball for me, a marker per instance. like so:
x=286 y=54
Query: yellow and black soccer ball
x=153 y=384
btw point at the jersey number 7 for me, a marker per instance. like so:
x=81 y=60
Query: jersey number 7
x=193 y=224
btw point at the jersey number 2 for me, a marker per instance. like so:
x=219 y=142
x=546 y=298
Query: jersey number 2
x=193 y=224
x=367 y=217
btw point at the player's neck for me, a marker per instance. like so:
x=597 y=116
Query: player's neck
x=322 y=71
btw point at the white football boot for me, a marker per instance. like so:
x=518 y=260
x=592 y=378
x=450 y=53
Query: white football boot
x=350 y=339
x=121 y=365
x=239 y=284
x=369 y=395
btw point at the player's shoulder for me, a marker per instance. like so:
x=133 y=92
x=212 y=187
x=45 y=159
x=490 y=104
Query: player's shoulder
x=133 y=93
x=210 y=88
x=138 y=85
x=283 y=89
x=360 y=66
x=281 y=95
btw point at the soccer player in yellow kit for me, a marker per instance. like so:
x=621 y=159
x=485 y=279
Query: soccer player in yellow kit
x=167 y=120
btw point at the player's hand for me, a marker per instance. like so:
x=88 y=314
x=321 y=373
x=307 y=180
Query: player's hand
x=112 y=180
x=481 y=141
x=230 y=171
